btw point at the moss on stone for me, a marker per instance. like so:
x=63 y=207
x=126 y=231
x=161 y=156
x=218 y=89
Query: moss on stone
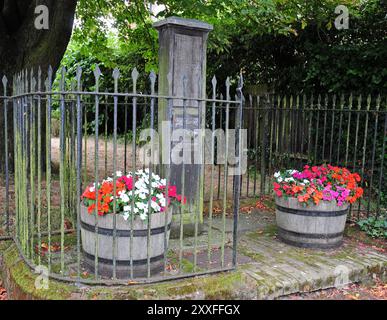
x=219 y=286
x=24 y=280
x=4 y=245
x=251 y=254
x=268 y=231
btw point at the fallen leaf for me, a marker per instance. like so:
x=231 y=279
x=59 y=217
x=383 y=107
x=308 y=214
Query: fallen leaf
x=3 y=293
x=68 y=225
x=217 y=210
x=353 y=297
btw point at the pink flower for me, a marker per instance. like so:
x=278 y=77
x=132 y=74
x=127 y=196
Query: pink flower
x=127 y=181
x=278 y=193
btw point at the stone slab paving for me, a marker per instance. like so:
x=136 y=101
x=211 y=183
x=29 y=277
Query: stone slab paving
x=276 y=269
x=268 y=268
x=279 y=269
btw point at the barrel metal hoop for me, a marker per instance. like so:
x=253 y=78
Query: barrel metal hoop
x=123 y=262
x=312 y=245
x=311 y=235
x=312 y=213
x=123 y=233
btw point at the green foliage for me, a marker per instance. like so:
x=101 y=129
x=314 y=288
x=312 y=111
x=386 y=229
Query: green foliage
x=288 y=44
x=374 y=227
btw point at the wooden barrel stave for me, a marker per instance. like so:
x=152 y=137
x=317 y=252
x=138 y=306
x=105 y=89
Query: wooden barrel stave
x=123 y=252
x=320 y=226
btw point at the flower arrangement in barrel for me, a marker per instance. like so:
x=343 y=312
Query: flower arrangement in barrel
x=132 y=191
x=319 y=183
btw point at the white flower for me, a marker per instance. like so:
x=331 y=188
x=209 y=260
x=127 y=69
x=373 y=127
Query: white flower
x=143 y=216
x=139 y=184
x=141 y=205
x=143 y=189
x=277 y=174
x=119 y=173
x=306 y=181
x=142 y=196
x=279 y=179
x=124 y=197
x=127 y=208
x=289 y=180
x=155 y=206
x=126 y=215
x=92 y=189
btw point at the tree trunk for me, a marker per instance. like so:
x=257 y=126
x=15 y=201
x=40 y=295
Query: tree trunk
x=23 y=47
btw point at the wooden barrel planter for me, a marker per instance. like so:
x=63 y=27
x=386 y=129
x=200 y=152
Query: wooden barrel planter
x=123 y=252
x=319 y=226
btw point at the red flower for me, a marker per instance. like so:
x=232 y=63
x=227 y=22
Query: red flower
x=91 y=208
x=88 y=194
x=179 y=197
x=172 y=191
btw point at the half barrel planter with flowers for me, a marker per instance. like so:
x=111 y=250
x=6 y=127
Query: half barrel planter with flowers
x=312 y=205
x=135 y=206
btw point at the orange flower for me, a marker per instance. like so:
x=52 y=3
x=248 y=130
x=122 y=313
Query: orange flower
x=351 y=185
x=107 y=188
x=359 y=192
x=318 y=195
x=106 y=199
x=120 y=186
x=297 y=189
x=303 y=198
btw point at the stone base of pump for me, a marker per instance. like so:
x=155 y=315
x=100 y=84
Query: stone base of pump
x=189 y=226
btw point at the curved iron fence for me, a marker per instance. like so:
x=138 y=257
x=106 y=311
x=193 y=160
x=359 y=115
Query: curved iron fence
x=44 y=211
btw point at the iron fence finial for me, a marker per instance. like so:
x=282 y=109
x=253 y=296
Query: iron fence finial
x=153 y=78
x=4 y=80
